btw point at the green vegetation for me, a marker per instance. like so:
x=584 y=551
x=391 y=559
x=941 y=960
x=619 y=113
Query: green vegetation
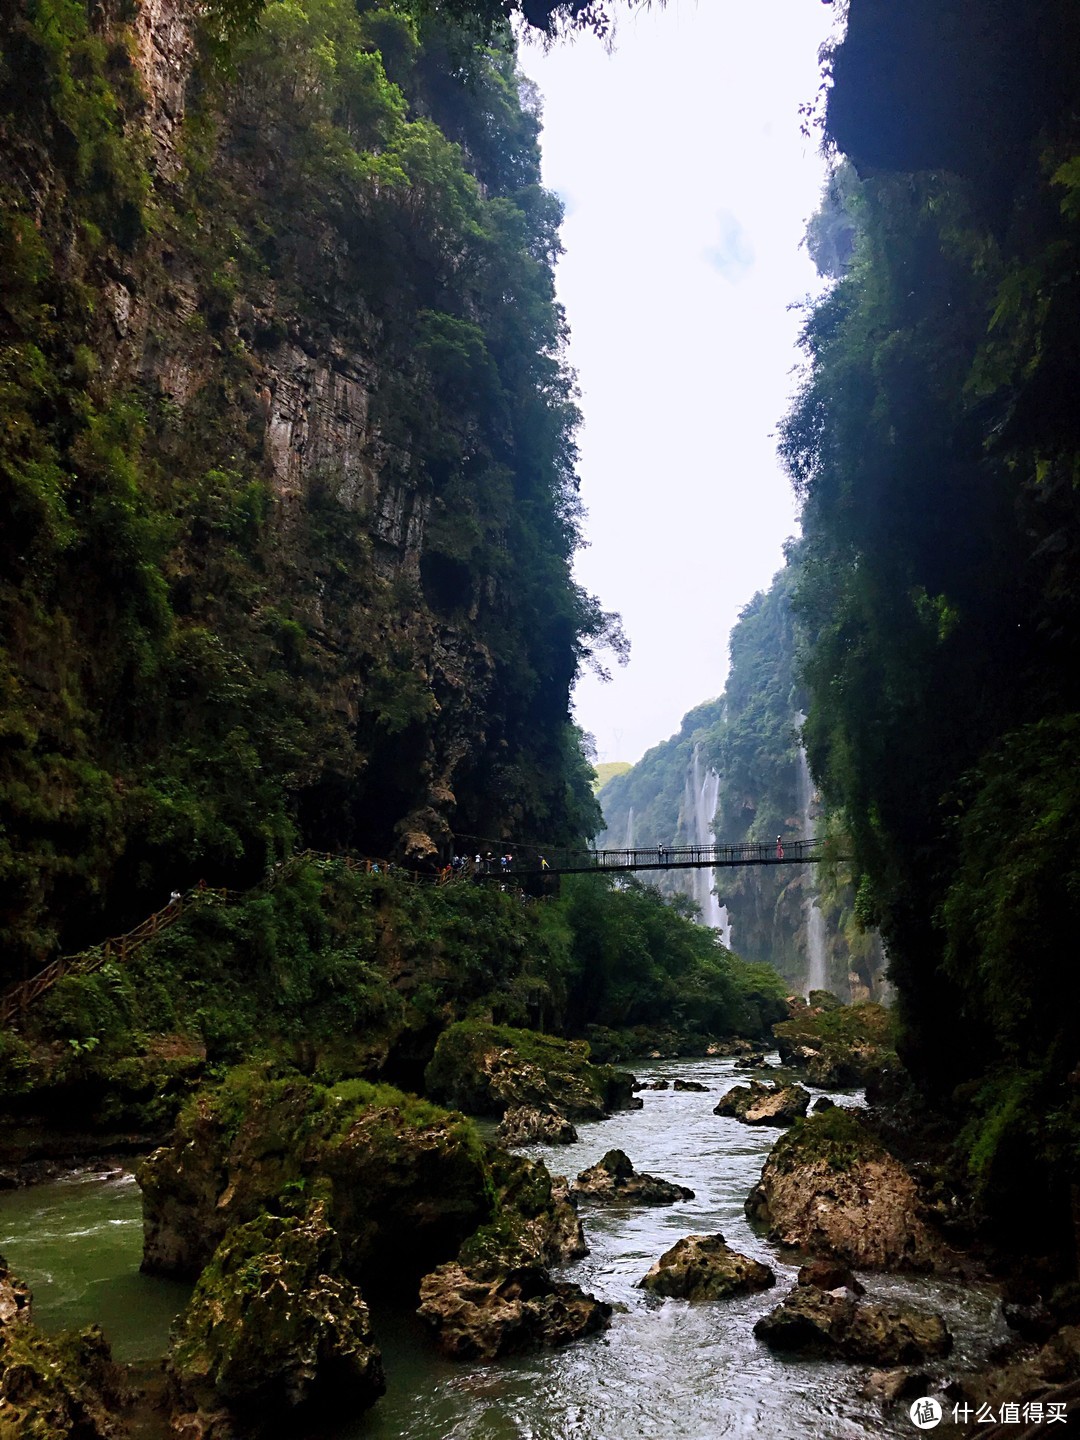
x=835 y=1136
x=345 y=974
x=607 y=770
x=936 y=446
x=287 y=488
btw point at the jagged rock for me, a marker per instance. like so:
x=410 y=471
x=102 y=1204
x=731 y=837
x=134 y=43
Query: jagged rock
x=823 y=1103
x=489 y=1069
x=761 y=1104
x=839 y=1045
x=656 y=1085
x=62 y=1387
x=836 y=1324
x=688 y=1085
x=703 y=1267
x=830 y=1188
x=14 y=1298
x=480 y=1312
x=752 y=1062
x=613 y=1180
x=525 y=1126
x=829 y=1275
x=272 y=1323
x=407 y=1182
x=498 y=1296
x=889 y=1386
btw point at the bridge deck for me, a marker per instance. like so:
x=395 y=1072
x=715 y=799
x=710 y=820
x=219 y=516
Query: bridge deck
x=660 y=857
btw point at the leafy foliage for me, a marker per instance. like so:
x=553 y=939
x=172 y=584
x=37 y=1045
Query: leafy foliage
x=937 y=452
x=216 y=642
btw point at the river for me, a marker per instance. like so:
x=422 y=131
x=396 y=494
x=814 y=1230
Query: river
x=665 y=1370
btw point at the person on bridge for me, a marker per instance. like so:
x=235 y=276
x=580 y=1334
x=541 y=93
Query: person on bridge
x=779 y=847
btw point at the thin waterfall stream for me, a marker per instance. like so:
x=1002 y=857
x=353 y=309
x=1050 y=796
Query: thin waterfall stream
x=817 y=977
x=665 y=1369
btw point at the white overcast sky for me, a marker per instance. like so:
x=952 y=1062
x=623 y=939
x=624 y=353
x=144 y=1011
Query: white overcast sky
x=687 y=186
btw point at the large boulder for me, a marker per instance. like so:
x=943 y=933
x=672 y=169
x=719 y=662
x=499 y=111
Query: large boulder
x=527 y=1126
x=408 y=1181
x=498 y=1297
x=489 y=1069
x=762 y=1104
x=830 y=1188
x=58 y=1387
x=704 y=1267
x=836 y=1324
x=614 y=1181
x=14 y=1298
x=480 y=1312
x=838 y=1045
x=273 y=1326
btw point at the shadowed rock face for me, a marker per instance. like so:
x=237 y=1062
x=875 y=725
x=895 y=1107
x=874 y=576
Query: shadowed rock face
x=761 y=1104
x=835 y=1323
x=829 y=1188
x=528 y=1126
x=479 y=1315
x=498 y=1296
x=406 y=1183
x=703 y=1267
x=273 y=1323
x=613 y=1180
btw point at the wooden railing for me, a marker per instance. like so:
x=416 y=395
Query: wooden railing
x=15 y=1000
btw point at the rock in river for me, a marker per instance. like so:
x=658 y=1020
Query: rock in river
x=835 y=1323
x=613 y=1180
x=527 y=1126
x=273 y=1324
x=761 y=1104
x=830 y=1187
x=703 y=1267
x=489 y=1069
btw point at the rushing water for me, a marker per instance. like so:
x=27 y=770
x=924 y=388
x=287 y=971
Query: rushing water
x=664 y=1369
x=77 y=1242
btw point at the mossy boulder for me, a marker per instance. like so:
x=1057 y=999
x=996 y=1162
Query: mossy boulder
x=274 y=1324
x=704 y=1267
x=58 y=1387
x=407 y=1180
x=838 y=1045
x=15 y=1298
x=498 y=1297
x=829 y=1187
x=489 y=1069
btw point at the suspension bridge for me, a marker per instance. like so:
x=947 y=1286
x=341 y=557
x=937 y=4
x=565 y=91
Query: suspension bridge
x=532 y=860
x=510 y=865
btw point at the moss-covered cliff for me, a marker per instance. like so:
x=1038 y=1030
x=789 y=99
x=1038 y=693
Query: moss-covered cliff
x=286 y=452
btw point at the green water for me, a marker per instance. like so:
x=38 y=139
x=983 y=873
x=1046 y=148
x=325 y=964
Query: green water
x=77 y=1242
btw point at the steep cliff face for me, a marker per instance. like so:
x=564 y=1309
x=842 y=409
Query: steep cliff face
x=748 y=741
x=286 y=452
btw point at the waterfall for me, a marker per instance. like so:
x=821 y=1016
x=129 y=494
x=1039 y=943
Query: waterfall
x=630 y=828
x=816 y=966
x=700 y=795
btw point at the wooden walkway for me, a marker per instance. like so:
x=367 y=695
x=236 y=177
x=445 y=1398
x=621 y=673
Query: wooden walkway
x=15 y=1000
